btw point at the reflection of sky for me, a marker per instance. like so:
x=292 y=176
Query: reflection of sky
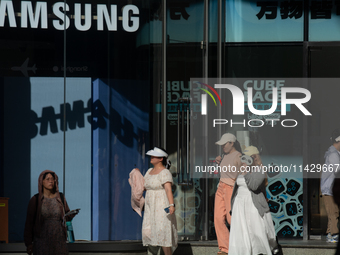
x=242 y=24
x=190 y=30
x=179 y=31
x=325 y=29
x=47 y=150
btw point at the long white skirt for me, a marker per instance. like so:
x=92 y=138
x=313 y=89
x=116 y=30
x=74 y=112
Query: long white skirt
x=250 y=234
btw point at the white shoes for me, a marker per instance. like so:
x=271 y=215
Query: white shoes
x=332 y=238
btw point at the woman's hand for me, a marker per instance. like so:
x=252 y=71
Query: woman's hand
x=257 y=159
x=29 y=249
x=218 y=159
x=172 y=210
x=168 y=191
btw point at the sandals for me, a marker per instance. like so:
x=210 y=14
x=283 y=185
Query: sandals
x=222 y=253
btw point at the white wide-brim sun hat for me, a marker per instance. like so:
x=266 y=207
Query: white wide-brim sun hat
x=157 y=152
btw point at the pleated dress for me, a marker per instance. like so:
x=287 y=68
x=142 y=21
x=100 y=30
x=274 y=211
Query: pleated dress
x=250 y=233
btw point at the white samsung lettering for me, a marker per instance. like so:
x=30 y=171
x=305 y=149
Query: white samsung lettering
x=103 y=12
x=77 y=17
x=58 y=9
x=7 y=5
x=31 y=16
x=134 y=20
x=27 y=11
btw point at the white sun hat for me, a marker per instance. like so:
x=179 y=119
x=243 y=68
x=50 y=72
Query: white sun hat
x=157 y=152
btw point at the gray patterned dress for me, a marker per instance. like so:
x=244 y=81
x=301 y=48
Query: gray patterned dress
x=52 y=240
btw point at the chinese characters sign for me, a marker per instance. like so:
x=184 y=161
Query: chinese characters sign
x=294 y=9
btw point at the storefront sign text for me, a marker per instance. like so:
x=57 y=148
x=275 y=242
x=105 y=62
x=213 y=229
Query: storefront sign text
x=35 y=17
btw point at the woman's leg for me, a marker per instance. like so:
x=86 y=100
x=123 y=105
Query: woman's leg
x=153 y=249
x=167 y=250
x=332 y=210
x=222 y=214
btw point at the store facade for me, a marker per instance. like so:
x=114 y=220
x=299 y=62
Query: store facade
x=89 y=87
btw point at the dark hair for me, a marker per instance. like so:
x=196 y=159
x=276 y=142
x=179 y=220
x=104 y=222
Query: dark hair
x=45 y=174
x=237 y=146
x=165 y=159
x=335 y=134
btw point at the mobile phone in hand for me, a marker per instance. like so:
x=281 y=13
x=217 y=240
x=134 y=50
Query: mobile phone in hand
x=167 y=209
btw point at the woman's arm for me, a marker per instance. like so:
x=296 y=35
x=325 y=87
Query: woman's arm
x=29 y=224
x=218 y=159
x=168 y=191
x=67 y=209
x=257 y=160
x=255 y=179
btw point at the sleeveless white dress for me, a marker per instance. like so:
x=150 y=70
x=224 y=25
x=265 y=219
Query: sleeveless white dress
x=250 y=233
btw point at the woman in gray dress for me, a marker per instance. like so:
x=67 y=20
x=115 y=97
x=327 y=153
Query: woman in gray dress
x=45 y=230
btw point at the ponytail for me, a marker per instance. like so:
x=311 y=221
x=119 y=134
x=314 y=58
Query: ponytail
x=237 y=146
x=166 y=162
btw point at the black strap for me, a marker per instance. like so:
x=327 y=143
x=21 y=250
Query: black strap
x=36 y=205
x=62 y=198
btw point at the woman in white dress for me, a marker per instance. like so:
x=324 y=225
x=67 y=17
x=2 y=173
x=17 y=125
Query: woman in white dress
x=252 y=230
x=159 y=226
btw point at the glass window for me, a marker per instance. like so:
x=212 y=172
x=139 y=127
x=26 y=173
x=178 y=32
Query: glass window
x=324 y=15
x=184 y=60
x=263 y=21
x=99 y=72
x=270 y=66
x=325 y=73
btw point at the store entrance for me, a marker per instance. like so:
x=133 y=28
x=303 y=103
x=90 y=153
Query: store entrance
x=184 y=60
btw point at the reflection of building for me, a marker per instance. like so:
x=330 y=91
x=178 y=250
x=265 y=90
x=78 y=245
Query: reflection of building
x=117 y=79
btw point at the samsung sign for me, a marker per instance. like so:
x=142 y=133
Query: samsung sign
x=33 y=14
